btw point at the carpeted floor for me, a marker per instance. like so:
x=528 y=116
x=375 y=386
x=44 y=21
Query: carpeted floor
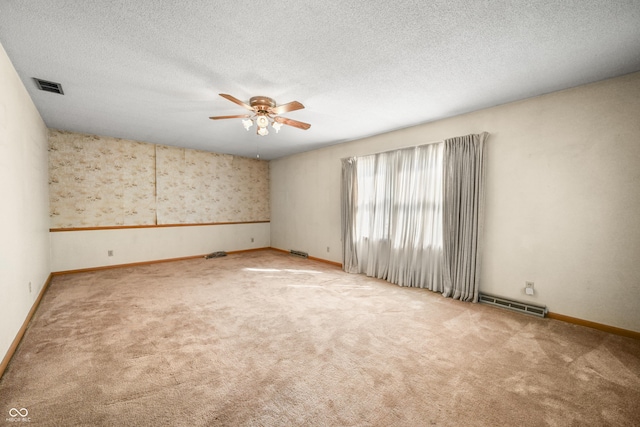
x=266 y=339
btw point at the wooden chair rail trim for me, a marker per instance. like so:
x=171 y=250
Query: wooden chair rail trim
x=124 y=227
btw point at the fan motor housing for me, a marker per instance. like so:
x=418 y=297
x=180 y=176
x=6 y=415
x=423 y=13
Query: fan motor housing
x=262 y=103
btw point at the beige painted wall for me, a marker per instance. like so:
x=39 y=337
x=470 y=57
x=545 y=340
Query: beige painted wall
x=73 y=250
x=563 y=196
x=24 y=223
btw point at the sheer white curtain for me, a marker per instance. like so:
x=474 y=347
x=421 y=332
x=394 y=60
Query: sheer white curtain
x=393 y=203
x=414 y=216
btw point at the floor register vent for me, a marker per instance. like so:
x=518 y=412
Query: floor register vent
x=521 y=307
x=299 y=253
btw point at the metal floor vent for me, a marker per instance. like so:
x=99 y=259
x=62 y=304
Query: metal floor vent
x=48 y=86
x=299 y=253
x=521 y=307
x=215 y=254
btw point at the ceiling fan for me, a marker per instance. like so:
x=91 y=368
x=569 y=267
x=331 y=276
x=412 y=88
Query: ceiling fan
x=265 y=113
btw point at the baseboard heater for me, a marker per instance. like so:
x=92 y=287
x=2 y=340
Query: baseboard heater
x=522 y=307
x=299 y=253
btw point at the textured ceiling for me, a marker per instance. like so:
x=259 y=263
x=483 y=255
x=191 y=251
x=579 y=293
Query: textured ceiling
x=151 y=70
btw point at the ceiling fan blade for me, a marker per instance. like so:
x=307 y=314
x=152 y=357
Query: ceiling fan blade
x=236 y=101
x=285 y=108
x=239 y=116
x=294 y=123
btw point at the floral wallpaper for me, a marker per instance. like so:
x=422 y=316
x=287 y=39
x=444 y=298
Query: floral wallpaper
x=102 y=181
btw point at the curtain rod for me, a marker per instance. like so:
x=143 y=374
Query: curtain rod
x=413 y=146
x=395 y=149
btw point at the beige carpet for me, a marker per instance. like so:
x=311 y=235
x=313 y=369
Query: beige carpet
x=266 y=339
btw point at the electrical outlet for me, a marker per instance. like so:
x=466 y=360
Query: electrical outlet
x=110 y=252
x=528 y=288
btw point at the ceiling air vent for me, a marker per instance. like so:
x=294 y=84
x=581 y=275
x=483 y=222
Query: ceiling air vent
x=48 y=86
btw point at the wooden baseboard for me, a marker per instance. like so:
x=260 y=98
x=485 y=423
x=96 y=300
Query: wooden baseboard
x=326 y=261
x=16 y=341
x=132 y=264
x=266 y=248
x=606 y=328
x=279 y=250
x=137 y=264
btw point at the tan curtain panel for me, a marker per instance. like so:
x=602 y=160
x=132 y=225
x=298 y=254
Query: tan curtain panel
x=349 y=192
x=463 y=214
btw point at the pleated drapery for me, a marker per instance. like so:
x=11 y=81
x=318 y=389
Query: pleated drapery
x=414 y=216
x=463 y=213
x=349 y=191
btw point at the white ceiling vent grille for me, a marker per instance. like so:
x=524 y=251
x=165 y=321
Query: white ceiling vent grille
x=48 y=86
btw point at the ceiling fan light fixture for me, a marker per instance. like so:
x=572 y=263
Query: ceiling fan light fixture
x=262 y=121
x=265 y=112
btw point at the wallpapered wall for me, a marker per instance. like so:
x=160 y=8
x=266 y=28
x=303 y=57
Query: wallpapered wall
x=99 y=181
